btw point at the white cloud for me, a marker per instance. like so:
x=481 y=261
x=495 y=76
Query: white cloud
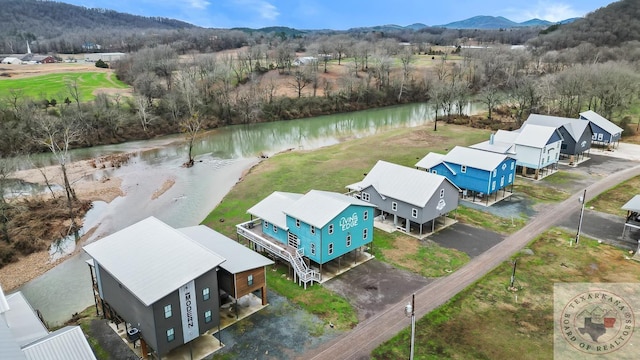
x=545 y=10
x=198 y=4
x=265 y=9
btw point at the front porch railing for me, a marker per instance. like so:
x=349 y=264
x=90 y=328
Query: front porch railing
x=302 y=273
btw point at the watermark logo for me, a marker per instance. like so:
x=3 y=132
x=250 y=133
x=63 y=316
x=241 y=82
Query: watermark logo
x=594 y=319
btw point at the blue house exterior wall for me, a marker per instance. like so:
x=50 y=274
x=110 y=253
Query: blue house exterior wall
x=274 y=231
x=606 y=136
x=322 y=238
x=477 y=179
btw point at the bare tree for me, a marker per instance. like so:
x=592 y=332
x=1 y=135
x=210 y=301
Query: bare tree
x=301 y=78
x=144 y=115
x=490 y=96
x=191 y=126
x=406 y=58
x=7 y=167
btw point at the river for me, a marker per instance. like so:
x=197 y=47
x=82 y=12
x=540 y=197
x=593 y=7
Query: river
x=222 y=156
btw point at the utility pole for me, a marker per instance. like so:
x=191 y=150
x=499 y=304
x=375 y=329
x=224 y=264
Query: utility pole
x=410 y=309
x=583 y=200
x=513 y=273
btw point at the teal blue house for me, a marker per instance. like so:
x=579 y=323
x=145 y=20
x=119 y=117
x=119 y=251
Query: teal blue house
x=310 y=230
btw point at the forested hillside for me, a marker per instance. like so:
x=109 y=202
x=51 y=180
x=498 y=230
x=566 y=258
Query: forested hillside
x=40 y=21
x=610 y=26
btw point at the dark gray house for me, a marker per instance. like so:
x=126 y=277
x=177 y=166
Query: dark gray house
x=160 y=281
x=412 y=198
x=604 y=131
x=576 y=135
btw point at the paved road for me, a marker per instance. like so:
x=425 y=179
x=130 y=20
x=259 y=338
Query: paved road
x=359 y=343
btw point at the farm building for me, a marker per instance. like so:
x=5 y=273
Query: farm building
x=106 y=57
x=537 y=148
x=158 y=280
x=604 y=131
x=309 y=231
x=478 y=173
x=11 y=60
x=305 y=60
x=413 y=198
x=576 y=135
x=24 y=336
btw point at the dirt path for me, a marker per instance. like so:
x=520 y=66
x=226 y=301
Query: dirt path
x=369 y=334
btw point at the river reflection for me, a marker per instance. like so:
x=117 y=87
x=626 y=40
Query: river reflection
x=222 y=155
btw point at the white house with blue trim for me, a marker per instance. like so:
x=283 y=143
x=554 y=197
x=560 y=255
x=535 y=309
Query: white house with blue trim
x=605 y=132
x=478 y=173
x=537 y=148
x=310 y=230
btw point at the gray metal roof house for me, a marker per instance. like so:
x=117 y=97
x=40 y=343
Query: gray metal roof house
x=160 y=281
x=576 y=134
x=633 y=214
x=24 y=336
x=604 y=131
x=242 y=272
x=412 y=197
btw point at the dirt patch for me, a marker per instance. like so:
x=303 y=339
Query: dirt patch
x=23 y=71
x=165 y=186
x=402 y=247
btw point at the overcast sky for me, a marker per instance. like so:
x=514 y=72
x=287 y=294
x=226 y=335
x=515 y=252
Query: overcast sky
x=344 y=14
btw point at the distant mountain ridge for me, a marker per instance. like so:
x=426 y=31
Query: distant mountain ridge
x=493 y=22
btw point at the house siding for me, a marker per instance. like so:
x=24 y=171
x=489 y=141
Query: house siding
x=479 y=180
x=280 y=234
x=322 y=238
x=242 y=281
x=151 y=320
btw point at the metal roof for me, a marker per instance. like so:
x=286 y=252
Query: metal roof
x=506 y=136
x=535 y=136
x=271 y=208
x=9 y=348
x=152 y=259
x=238 y=257
x=317 y=207
x=474 y=158
x=4 y=305
x=402 y=183
x=68 y=343
x=430 y=160
x=633 y=204
x=602 y=123
x=499 y=147
x=23 y=321
x=574 y=127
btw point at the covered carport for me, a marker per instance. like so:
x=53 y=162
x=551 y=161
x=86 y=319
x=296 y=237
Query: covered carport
x=633 y=214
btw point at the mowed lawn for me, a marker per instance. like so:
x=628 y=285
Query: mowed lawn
x=56 y=86
x=487 y=321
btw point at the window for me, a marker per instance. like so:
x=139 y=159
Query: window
x=513 y=163
x=434 y=171
x=493 y=185
x=313 y=249
x=167 y=311
x=266 y=225
x=250 y=280
x=600 y=136
x=441 y=193
x=510 y=178
x=330 y=229
x=495 y=172
x=171 y=335
x=207 y=316
x=594 y=137
x=501 y=181
x=206 y=294
x=330 y=248
x=275 y=228
x=366 y=196
x=394 y=206
x=297 y=223
x=414 y=213
x=365 y=215
x=463 y=169
x=313 y=229
x=365 y=234
x=349 y=240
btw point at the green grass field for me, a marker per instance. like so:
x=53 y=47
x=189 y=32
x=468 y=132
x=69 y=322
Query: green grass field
x=55 y=86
